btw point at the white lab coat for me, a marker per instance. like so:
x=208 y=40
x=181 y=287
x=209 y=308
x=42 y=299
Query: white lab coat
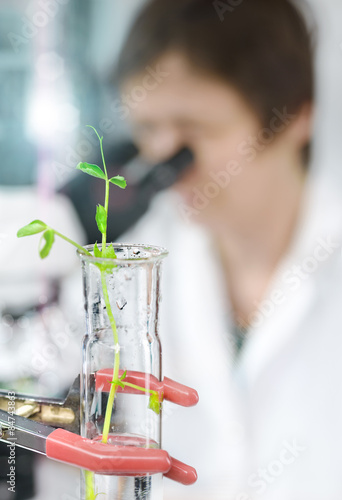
x=270 y=426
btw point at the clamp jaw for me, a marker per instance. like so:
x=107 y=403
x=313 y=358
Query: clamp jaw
x=27 y=427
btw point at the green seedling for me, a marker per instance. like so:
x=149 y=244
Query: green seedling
x=107 y=252
x=89 y=481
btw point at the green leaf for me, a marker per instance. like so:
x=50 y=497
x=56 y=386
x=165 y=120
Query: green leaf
x=97 y=251
x=154 y=403
x=35 y=227
x=118 y=180
x=92 y=170
x=118 y=382
x=109 y=253
x=123 y=376
x=101 y=218
x=49 y=237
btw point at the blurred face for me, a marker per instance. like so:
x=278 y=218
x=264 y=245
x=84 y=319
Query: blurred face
x=231 y=148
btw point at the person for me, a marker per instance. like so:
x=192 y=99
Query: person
x=251 y=296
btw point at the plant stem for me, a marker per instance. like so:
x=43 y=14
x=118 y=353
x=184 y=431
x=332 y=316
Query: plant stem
x=103 y=159
x=104 y=235
x=138 y=388
x=90 y=493
x=113 y=388
x=82 y=249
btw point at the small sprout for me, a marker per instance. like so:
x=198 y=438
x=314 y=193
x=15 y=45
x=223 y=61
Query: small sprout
x=155 y=403
x=49 y=237
x=109 y=253
x=118 y=382
x=101 y=219
x=35 y=227
x=106 y=252
x=92 y=170
x=97 y=251
x=119 y=181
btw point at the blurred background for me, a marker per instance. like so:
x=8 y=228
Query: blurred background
x=56 y=57
x=56 y=60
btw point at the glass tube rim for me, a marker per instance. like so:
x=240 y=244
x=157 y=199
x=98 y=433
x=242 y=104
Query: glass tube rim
x=157 y=253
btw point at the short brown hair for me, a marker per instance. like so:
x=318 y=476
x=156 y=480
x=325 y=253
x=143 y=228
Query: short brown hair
x=261 y=47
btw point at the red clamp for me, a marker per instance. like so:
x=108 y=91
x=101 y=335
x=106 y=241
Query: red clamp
x=110 y=459
x=121 y=460
x=171 y=390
